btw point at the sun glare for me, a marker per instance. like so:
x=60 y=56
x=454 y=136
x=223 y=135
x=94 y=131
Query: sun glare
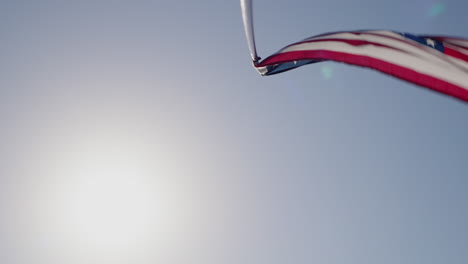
x=107 y=197
x=111 y=205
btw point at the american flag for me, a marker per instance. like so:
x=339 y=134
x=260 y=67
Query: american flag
x=436 y=62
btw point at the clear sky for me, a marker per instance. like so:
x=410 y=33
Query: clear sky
x=138 y=132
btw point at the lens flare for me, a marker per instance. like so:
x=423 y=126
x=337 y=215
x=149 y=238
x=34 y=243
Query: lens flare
x=327 y=72
x=436 y=10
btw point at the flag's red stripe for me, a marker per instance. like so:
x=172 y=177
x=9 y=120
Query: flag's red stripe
x=455 y=53
x=370 y=62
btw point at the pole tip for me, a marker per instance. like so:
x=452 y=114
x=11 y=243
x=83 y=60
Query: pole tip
x=256 y=60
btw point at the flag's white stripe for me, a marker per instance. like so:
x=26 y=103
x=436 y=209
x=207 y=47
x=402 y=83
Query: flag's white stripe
x=373 y=36
x=352 y=35
x=339 y=35
x=460 y=43
x=424 y=64
x=453 y=43
x=349 y=33
x=387 y=33
x=429 y=54
x=458 y=62
x=262 y=70
x=357 y=34
x=457 y=42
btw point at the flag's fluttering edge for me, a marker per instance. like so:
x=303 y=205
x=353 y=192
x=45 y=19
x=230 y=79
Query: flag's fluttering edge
x=436 y=62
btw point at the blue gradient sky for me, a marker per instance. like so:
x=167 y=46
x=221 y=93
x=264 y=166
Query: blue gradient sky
x=324 y=164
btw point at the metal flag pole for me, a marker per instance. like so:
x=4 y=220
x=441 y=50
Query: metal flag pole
x=247 y=16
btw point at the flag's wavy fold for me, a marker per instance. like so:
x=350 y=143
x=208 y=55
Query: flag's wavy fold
x=436 y=62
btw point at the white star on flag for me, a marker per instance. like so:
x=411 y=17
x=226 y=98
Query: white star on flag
x=430 y=42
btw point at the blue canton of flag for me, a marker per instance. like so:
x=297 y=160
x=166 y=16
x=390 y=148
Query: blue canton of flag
x=425 y=41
